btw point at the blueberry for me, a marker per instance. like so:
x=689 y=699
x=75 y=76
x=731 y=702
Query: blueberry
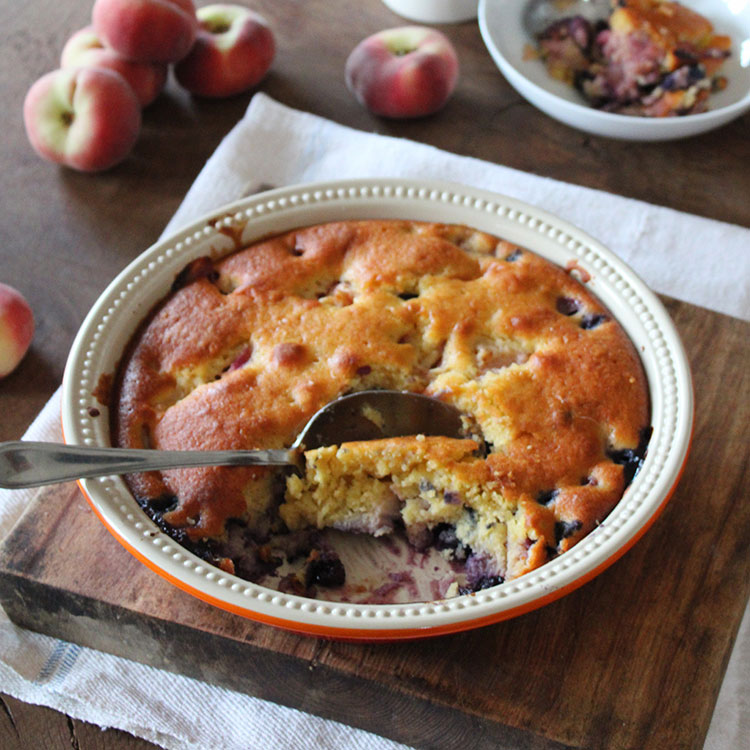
x=324 y=569
x=445 y=536
x=687 y=55
x=567 y=305
x=481 y=573
x=484 y=582
x=451 y=497
x=515 y=255
x=446 y=539
x=592 y=320
x=161 y=504
x=631 y=459
x=564 y=529
x=487 y=581
x=545 y=497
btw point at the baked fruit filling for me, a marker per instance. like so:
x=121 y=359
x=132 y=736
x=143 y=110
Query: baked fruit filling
x=246 y=348
x=651 y=58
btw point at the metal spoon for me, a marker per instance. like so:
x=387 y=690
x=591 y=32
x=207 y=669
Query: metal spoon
x=538 y=15
x=367 y=415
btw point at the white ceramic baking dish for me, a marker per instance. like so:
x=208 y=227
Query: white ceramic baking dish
x=126 y=301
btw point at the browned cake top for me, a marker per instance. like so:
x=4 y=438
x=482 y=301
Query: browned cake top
x=249 y=347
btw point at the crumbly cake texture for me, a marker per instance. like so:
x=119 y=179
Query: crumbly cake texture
x=652 y=58
x=246 y=349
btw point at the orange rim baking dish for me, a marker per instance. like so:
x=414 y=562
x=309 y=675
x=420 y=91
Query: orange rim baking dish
x=126 y=301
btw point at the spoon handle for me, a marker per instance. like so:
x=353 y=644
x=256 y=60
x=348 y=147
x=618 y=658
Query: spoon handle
x=30 y=464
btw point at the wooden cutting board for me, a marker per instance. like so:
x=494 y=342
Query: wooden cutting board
x=633 y=659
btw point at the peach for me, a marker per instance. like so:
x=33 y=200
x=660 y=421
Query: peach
x=410 y=71
x=84 y=118
x=16 y=328
x=85 y=49
x=233 y=51
x=147 y=30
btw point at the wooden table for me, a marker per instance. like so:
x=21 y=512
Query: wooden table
x=65 y=235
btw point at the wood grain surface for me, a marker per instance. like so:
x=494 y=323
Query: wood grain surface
x=621 y=662
x=64 y=236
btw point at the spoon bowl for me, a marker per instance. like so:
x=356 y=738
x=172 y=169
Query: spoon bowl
x=367 y=415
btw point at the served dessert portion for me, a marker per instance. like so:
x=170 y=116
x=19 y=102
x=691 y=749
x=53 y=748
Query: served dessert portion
x=245 y=349
x=651 y=58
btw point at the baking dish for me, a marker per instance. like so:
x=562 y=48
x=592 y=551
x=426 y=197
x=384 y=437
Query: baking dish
x=112 y=320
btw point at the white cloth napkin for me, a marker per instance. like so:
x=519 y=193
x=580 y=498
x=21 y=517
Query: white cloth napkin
x=695 y=259
x=692 y=258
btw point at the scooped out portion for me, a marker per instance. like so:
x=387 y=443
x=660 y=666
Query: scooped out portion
x=444 y=494
x=434 y=488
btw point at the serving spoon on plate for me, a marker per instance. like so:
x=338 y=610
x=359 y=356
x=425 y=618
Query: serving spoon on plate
x=366 y=415
x=539 y=15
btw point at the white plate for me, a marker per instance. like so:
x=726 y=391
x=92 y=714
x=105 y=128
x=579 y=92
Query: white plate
x=500 y=22
x=113 y=319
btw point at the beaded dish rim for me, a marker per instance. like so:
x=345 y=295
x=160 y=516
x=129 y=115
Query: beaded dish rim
x=114 y=317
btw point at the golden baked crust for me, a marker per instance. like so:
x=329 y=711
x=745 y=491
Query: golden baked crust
x=246 y=349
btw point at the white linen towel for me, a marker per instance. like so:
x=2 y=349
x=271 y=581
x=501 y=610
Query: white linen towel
x=675 y=253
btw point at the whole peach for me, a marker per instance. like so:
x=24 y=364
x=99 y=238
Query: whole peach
x=409 y=71
x=16 y=328
x=84 y=118
x=85 y=49
x=233 y=50
x=146 y=30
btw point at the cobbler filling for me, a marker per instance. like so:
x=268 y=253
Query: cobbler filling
x=628 y=71
x=259 y=554
x=317 y=565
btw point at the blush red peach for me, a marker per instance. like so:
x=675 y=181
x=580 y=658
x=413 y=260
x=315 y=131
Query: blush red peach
x=16 y=328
